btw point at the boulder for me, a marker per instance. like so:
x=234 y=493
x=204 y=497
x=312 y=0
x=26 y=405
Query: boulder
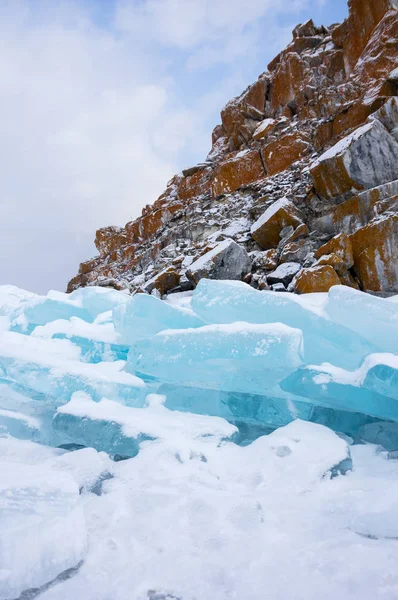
x=282 y=213
x=284 y=273
x=339 y=245
x=388 y=116
x=334 y=261
x=242 y=169
x=295 y=251
x=193 y=184
x=266 y=260
x=315 y=279
x=109 y=238
x=264 y=129
x=294 y=234
x=228 y=260
x=163 y=282
x=279 y=154
x=364 y=159
x=375 y=250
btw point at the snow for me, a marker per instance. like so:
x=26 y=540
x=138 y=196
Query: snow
x=263 y=125
x=341 y=146
x=270 y=212
x=42 y=525
x=245 y=449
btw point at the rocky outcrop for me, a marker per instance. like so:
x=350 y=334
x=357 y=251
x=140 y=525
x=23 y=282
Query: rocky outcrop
x=300 y=188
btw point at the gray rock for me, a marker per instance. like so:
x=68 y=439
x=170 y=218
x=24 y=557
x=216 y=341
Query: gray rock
x=388 y=115
x=284 y=273
x=296 y=251
x=366 y=158
x=278 y=287
x=227 y=260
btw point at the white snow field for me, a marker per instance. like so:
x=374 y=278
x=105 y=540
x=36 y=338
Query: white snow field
x=226 y=445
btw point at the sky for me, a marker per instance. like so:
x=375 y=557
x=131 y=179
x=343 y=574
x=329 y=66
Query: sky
x=103 y=101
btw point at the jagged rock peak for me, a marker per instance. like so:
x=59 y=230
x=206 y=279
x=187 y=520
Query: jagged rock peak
x=306 y=154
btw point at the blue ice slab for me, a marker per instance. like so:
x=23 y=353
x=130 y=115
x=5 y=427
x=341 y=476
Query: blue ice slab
x=268 y=411
x=26 y=413
x=239 y=357
x=95 y=351
x=324 y=341
x=19 y=425
x=374 y=319
x=341 y=393
x=101 y=434
x=51 y=367
x=381 y=433
x=42 y=310
x=144 y=316
x=96 y=341
x=11 y=297
x=381 y=375
x=96 y=300
x=120 y=429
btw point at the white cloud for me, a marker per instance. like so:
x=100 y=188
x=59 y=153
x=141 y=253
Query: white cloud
x=88 y=137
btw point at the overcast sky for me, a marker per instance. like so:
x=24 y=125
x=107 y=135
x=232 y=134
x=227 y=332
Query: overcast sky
x=102 y=101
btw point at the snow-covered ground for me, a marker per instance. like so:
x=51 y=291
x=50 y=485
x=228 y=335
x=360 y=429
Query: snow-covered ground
x=118 y=483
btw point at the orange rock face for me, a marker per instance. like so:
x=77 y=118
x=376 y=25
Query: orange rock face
x=339 y=245
x=242 y=169
x=151 y=223
x=375 y=248
x=316 y=279
x=281 y=153
x=363 y=18
x=334 y=261
x=164 y=281
x=287 y=81
x=239 y=117
x=266 y=230
x=197 y=184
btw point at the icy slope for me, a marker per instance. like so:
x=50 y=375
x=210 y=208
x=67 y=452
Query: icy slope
x=230 y=444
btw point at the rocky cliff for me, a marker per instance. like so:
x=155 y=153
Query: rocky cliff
x=300 y=189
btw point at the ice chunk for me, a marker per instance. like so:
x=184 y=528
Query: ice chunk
x=373 y=318
x=239 y=408
x=51 y=367
x=372 y=389
x=97 y=300
x=117 y=429
x=381 y=433
x=97 y=341
x=41 y=310
x=19 y=425
x=379 y=374
x=324 y=341
x=42 y=526
x=11 y=297
x=238 y=357
x=87 y=467
x=144 y=316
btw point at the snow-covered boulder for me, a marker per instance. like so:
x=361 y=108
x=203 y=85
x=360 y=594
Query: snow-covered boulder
x=228 y=260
